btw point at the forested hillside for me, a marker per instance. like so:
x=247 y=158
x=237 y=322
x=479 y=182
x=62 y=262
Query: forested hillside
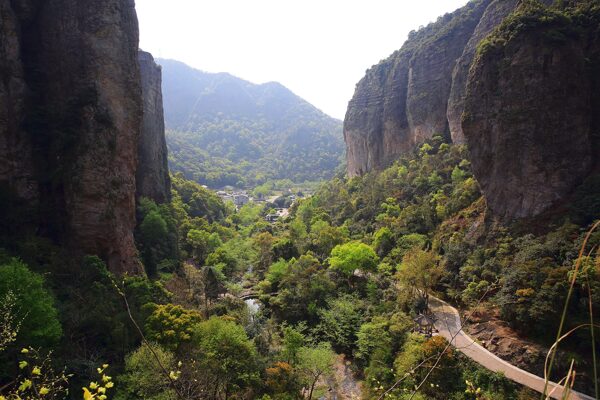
x=222 y=130
x=121 y=281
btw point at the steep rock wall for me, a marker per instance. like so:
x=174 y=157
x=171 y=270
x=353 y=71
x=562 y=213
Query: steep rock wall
x=16 y=165
x=531 y=116
x=152 y=176
x=403 y=100
x=493 y=16
x=70 y=115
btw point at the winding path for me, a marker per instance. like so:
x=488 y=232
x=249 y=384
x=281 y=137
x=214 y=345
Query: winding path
x=449 y=326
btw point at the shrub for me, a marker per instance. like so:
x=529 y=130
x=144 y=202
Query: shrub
x=34 y=304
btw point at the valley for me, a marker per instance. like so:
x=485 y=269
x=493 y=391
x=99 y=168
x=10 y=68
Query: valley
x=168 y=233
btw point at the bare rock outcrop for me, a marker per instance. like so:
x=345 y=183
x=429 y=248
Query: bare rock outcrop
x=531 y=116
x=403 y=100
x=152 y=177
x=70 y=118
x=516 y=80
x=16 y=164
x=493 y=16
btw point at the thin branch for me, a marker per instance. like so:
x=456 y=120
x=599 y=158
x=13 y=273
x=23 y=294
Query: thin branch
x=450 y=342
x=147 y=344
x=439 y=357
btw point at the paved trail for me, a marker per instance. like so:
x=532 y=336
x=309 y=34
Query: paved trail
x=449 y=326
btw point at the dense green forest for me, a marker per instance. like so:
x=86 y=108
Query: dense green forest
x=345 y=274
x=222 y=130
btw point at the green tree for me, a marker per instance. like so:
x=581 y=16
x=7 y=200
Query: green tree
x=276 y=272
x=383 y=241
x=293 y=339
x=33 y=304
x=348 y=257
x=171 y=325
x=225 y=355
x=144 y=377
x=212 y=287
x=341 y=321
x=153 y=227
x=202 y=243
x=285 y=248
x=313 y=363
x=419 y=273
x=154 y=234
x=323 y=238
x=302 y=290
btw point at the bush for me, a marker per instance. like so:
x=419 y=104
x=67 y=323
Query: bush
x=34 y=305
x=144 y=377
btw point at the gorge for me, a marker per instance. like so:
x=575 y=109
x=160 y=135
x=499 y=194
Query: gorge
x=472 y=179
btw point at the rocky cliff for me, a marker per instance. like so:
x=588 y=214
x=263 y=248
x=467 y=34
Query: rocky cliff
x=492 y=17
x=403 y=100
x=152 y=177
x=531 y=116
x=70 y=117
x=525 y=105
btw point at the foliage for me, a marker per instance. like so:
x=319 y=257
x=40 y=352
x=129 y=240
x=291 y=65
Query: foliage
x=10 y=323
x=240 y=134
x=197 y=201
x=420 y=272
x=313 y=363
x=37 y=378
x=302 y=292
x=144 y=377
x=281 y=379
x=340 y=322
x=346 y=258
x=225 y=354
x=293 y=339
x=171 y=325
x=34 y=306
x=157 y=235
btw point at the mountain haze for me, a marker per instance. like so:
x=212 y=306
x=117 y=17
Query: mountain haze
x=223 y=130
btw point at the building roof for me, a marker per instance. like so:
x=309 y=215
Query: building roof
x=424 y=320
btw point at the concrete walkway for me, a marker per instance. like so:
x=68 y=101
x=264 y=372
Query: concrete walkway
x=449 y=326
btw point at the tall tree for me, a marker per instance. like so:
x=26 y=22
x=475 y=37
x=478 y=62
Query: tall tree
x=420 y=272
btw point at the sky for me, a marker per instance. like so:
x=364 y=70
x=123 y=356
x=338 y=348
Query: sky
x=319 y=49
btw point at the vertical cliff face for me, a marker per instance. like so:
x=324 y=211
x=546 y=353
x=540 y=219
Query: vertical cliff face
x=493 y=16
x=70 y=117
x=516 y=80
x=531 y=116
x=16 y=166
x=152 y=175
x=403 y=100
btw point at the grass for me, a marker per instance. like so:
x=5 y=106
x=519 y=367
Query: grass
x=569 y=379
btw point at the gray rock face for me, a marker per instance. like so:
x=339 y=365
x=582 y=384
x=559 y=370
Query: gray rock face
x=403 y=100
x=493 y=16
x=527 y=108
x=16 y=165
x=152 y=177
x=70 y=118
x=531 y=117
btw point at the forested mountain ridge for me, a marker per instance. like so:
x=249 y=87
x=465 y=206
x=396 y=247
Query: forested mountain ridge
x=223 y=130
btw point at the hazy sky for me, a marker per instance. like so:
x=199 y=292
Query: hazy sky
x=319 y=49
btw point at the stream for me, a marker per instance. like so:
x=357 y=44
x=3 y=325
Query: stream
x=253 y=306
x=341 y=385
